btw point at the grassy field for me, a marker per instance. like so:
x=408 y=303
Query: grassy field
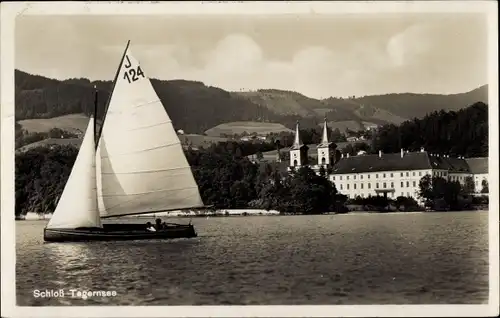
x=322 y=111
x=384 y=115
x=72 y=123
x=248 y=126
x=51 y=141
x=77 y=123
x=196 y=141
x=283 y=102
x=343 y=125
x=367 y=123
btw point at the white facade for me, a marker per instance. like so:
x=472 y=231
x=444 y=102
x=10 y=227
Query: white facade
x=324 y=155
x=478 y=181
x=395 y=183
x=441 y=173
x=295 y=158
x=461 y=177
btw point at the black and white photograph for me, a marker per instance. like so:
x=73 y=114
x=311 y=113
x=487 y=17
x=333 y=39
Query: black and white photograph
x=249 y=159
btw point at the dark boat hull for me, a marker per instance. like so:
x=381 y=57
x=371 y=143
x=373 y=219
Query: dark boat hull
x=118 y=232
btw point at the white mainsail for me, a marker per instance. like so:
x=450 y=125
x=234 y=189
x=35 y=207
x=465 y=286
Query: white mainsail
x=141 y=166
x=77 y=205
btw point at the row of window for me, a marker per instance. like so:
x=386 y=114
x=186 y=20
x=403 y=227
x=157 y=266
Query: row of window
x=390 y=194
x=440 y=173
x=383 y=175
x=384 y=185
x=456 y=178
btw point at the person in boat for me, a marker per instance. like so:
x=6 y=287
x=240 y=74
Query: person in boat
x=150 y=227
x=159 y=226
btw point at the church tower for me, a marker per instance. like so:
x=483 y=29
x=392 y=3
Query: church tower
x=298 y=151
x=326 y=149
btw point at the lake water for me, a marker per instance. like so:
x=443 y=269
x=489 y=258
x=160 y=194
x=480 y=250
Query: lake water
x=413 y=258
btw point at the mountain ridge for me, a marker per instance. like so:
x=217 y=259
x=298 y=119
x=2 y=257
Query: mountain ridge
x=196 y=107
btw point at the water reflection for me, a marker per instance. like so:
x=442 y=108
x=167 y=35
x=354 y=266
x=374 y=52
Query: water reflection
x=75 y=259
x=351 y=259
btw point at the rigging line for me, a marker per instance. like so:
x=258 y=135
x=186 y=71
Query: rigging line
x=147 y=103
x=151 y=126
x=133 y=107
x=143 y=150
x=149 y=192
x=135 y=199
x=150 y=171
x=111 y=93
x=156 y=211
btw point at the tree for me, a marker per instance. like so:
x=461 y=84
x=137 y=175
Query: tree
x=310 y=193
x=238 y=153
x=469 y=186
x=485 y=188
x=464 y=132
x=452 y=193
x=224 y=175
x=349 y=149
x=425 y=189
x=441 y=193
x=240 y=196
x=407 y=203
x=322 y=171
x=360 y=146
x=337 y=136
x=40 y=176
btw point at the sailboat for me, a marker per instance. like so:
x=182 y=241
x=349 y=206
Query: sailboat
x=135 y=165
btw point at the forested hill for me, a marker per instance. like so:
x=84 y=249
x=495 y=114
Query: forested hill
x=195 y=107
x=418 y=105
x=192 y=106
x=455 y=133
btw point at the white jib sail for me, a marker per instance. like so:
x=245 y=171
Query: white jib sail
x=77 y=206
x=141 y=166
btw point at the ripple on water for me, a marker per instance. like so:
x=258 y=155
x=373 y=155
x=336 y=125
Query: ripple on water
x=351 y=259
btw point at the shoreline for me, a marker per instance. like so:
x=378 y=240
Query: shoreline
x=250 y=213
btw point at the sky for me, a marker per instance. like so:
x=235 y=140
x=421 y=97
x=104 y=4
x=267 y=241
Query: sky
x=317 y=55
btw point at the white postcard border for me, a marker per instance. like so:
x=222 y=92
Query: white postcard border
x=9 y=10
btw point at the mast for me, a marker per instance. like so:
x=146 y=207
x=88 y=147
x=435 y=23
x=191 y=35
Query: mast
x=95 y=115
x=111 y=93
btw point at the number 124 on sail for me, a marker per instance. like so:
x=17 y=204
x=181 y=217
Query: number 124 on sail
x=131 y=74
